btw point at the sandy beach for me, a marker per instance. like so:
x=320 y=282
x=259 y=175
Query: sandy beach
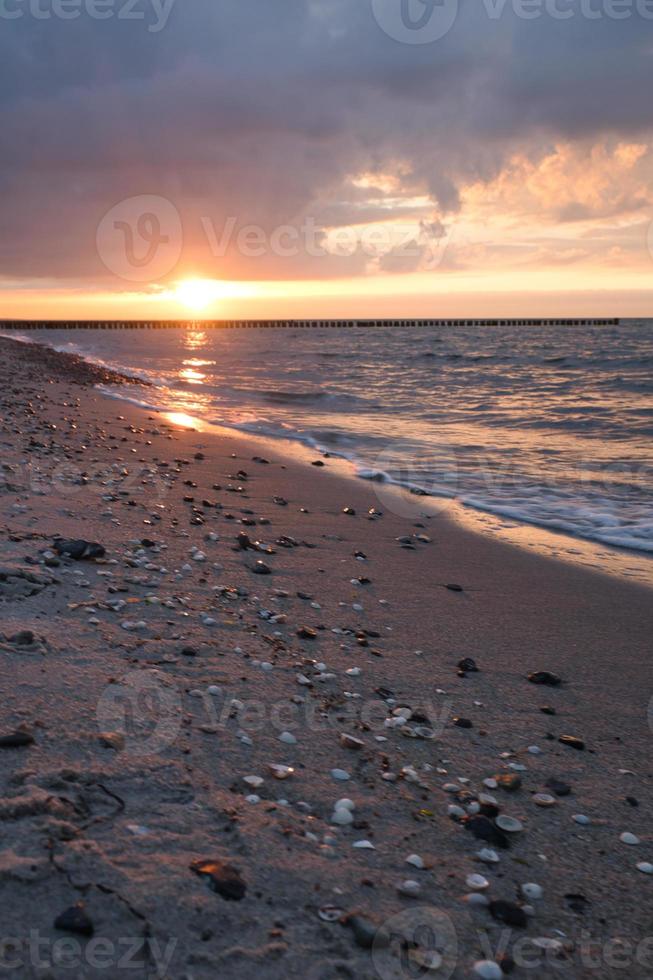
x=237 y=739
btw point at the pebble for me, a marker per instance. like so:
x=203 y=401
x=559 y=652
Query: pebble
x=509 y=913
x=350 y=742
x=510 y=824
x=222 y=878
x=288 y=738
x=477 y=883
x=572 y=742
x=260 y=568
x=558 y=786
x=581 y=819
x=488 y=970
x=16 y=740
x=645 y=868
x=488 y=856
x=629 y=839
x=364 y=845
x=483 y=829
x=508 y=782
x=281 y=772
x=416 y=861
x=545 y=677
x=340 y=774
x=410 y=888
x=543 y=799
x=532 y=892
x=75 y=920
x=366 y=933
x=342 y=818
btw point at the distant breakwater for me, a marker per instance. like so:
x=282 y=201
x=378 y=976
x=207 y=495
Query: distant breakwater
x=302 y=324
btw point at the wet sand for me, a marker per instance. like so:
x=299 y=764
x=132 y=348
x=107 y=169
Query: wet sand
x=156 y=679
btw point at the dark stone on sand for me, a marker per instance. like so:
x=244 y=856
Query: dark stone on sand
x=366 y=933
x=306 y=633
x=510 y=782
x=280 y=501
x=148 y=543
x=75 y=920
x=483 y=829
x=244 y=541
x=454 y=588
x=260 y=568
x=23 y=639
x=577 y=903
x=467 y=666
x=80 y=550
x=572 y=742
x=462 y=723
x=199 y=456
x=16 y=740
x=546 y=678
x=546 y=709
x=188 y=652
x=222 y=878
x=509 y=913
x=558 y=787
x=317 y=462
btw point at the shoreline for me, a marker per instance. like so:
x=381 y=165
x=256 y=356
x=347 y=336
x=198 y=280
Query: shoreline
x=551 y=543
x=351 y=645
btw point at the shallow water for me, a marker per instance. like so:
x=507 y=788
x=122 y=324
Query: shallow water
x=546 y=425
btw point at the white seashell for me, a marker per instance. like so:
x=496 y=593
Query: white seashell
x=488 y=970
x=581 y=819
x=477 y=883
x=532 y=891
x=645 y=868
x=630 y=839
x=215 y=691
x=253 y=781
x=488 y=855
x=281 y=772
x=410 y=888
x=544 y=799
x=487 y=800
x=534 y=750
x=364 y=845
x=490 y=783
x=253 y=798
x=288 y=738
x=350 y=742
x=416 y=861
x=354 y=672
x=510 y=824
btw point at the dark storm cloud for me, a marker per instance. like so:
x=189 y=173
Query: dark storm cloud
x=262 y=110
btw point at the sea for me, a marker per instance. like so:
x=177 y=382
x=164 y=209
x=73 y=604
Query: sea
x=542 y=426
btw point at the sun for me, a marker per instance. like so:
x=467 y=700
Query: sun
x=197 y=294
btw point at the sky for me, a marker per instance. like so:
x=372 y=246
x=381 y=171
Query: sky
x=325 y=158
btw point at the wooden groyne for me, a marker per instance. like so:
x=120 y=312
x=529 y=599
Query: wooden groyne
x=300 y=324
